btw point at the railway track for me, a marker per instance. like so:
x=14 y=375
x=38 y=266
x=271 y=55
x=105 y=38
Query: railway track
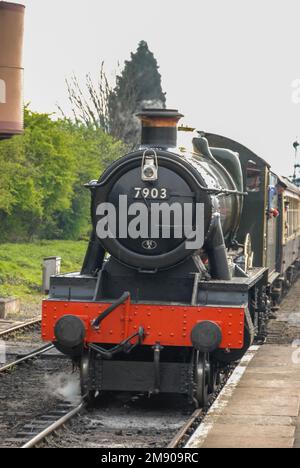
x=34 y=394
x=38 y=432
x=184 y=433
x=187 y=430
x=129 y=422
x=12 y=331
x=70 y=425
x=41 y=428
x=110 y=437
x=106 y=427
x=28 y=357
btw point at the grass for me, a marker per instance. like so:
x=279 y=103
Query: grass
x=21 y=265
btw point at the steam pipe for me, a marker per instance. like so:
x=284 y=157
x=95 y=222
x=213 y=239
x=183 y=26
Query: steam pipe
x=94 y=256
x=123 y=346
x=95 y=253
x=217 y=253
x=201 y=144
x=110 y=309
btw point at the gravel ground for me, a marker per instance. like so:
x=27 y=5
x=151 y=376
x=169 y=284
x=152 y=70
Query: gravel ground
x=31 y=390
x=23 y=342
x=118 y=420
x=123 y=421
x=28 y=310
x=28 y=337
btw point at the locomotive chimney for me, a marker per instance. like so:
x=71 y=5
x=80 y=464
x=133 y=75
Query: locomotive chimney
x=11 y=72
x=159 y=127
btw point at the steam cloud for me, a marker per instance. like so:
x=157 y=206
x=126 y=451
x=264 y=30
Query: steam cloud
x=66 y=387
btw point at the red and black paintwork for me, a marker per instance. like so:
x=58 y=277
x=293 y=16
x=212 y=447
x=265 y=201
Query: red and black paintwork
x=169 y=320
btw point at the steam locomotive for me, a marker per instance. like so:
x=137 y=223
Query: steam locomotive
x=164 y=308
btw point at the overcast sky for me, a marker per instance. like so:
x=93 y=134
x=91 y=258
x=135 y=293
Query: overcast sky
x=228 y=65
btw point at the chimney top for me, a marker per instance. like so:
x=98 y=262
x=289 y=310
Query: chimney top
x=159 y=127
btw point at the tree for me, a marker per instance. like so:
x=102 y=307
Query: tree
x=113 y=108
x=90 y=108
x=43 y=172
x=138 y=86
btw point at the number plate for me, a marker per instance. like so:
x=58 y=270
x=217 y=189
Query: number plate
x=142 y=193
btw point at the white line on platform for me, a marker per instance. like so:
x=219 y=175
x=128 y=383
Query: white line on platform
x=200 y=435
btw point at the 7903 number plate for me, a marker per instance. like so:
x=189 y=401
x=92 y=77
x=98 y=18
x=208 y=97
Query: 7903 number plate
x=154 y=193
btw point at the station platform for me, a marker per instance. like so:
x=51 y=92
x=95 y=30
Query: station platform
x=259 y=406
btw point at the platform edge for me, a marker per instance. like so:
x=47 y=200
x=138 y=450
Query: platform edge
x=200 y=435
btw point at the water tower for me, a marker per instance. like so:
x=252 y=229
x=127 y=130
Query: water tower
x=11 y=71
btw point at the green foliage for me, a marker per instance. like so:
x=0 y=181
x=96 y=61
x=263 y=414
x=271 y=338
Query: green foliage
x=141 y=71
x=138 y=86
x=42 y=177
x=112 y=108
x=21 y=264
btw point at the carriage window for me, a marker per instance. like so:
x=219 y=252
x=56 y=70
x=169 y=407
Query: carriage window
x=254 y=177
x=292 y=216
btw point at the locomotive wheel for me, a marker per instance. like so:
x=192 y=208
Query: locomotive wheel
x=202 y=378
x=214 y=379
x=86 y=367
x=84 y=372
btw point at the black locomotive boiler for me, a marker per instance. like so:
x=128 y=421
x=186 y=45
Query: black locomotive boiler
x=158 y=311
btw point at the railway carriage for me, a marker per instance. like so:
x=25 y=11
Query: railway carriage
x=147 y=313
x=288 y=235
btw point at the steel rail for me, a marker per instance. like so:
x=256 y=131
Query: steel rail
x=185 y=428
x=19 y=327
x=53 y=427
x=198 y=414
x=27 y=357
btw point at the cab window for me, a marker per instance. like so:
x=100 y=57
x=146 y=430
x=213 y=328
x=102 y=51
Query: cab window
x=254 y=177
